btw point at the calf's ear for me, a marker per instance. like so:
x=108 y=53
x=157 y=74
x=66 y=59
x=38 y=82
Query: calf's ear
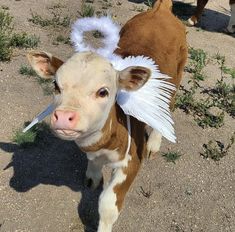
x=44 y=63
x=133 y=78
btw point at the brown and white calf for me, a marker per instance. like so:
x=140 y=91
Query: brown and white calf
x=86 y=111
x=199 y=9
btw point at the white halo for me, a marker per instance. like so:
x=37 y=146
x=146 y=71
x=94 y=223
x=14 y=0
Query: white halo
x=104 y=25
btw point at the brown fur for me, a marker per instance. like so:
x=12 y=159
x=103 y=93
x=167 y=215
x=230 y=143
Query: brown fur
x=158 y=34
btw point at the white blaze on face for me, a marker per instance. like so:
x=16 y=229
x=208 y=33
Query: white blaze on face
x=88 y=86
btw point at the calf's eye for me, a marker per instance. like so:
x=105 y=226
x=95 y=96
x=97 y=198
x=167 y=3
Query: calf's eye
x=103 y=92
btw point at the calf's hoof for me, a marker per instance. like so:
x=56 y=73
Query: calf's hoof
x=192 y=21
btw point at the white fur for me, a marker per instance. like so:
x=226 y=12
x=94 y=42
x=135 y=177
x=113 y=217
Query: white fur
x=190 y=22
x=108 y=210
x=154 y=142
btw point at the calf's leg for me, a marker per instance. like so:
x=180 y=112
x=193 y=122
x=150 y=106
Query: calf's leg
x=231 y=25
x=112 y=197
x=153 y=143
x=195 y=18
x=94 y=174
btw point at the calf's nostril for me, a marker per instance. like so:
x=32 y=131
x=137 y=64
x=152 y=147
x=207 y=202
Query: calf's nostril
x=55 y=116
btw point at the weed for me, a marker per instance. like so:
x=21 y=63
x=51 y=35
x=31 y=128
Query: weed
x=137 y=8
x=89 y=1
x=149 y=3
x=36 y=135
x=5 y=7
x=55 y=21
x=198 y=62
x=24 y=41
x=28 y=71
x=9 y=40
x=216 y=150
x=6 y=28
x=220 y=96
x=24 y=139
x=146 y=193
x=171 y=156
x=56 y=6
x=62 y=39
x=223 y=94
x=101 y=13
x=46 y=85
x=87 y=10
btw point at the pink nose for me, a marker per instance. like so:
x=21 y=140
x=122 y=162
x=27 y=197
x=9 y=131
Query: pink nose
x=64 y=119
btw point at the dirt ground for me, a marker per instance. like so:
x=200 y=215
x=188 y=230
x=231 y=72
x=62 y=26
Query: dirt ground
x=41 y=187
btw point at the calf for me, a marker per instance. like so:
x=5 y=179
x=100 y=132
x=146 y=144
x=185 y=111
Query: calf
x=201 y=5
x=86 y=111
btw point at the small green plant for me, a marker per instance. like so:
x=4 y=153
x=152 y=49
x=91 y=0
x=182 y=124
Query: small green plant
x=34 y=136
x=63 y=39
x=87 y=10
x=5 y=7
x=137 y=8
x=55 y=21
x=24 y=41
x=6 y=28
x=198 y=62
x=28 y=71
x=171 y=156
x=149 y=3
x=46 y=85
x=216 y=150
x=24 y=139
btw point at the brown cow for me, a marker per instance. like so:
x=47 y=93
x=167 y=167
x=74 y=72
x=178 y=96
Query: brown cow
x=86 y=111
x=199 y=9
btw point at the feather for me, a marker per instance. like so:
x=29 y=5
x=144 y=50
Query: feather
x=150 y=103
x=40 y=117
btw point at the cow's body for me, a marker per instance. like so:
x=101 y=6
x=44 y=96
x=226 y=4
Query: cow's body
x=92 y=118
x=199 y=9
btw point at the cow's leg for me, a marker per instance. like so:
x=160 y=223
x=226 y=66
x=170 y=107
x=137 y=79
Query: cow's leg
x=231 y=25
x=153 y=143
x=195 y=18
x=112 y=197
x=94 y=174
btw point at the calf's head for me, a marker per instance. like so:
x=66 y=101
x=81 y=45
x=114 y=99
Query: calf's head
x=85 y=90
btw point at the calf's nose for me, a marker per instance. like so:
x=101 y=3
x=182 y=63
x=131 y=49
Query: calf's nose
x=64 y=119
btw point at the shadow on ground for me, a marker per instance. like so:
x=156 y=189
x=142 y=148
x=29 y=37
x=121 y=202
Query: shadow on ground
x=211 y=20
x=52 y=161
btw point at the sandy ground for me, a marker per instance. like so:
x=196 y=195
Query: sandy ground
x=41 y=188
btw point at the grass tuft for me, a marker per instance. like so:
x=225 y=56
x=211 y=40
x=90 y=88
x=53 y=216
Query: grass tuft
x=87 y=10
x=35 y=136
x=24 y=41
x=54 y=21
x=6 y=28
x=216 y=150
x=28 y=71
x=171 y=156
